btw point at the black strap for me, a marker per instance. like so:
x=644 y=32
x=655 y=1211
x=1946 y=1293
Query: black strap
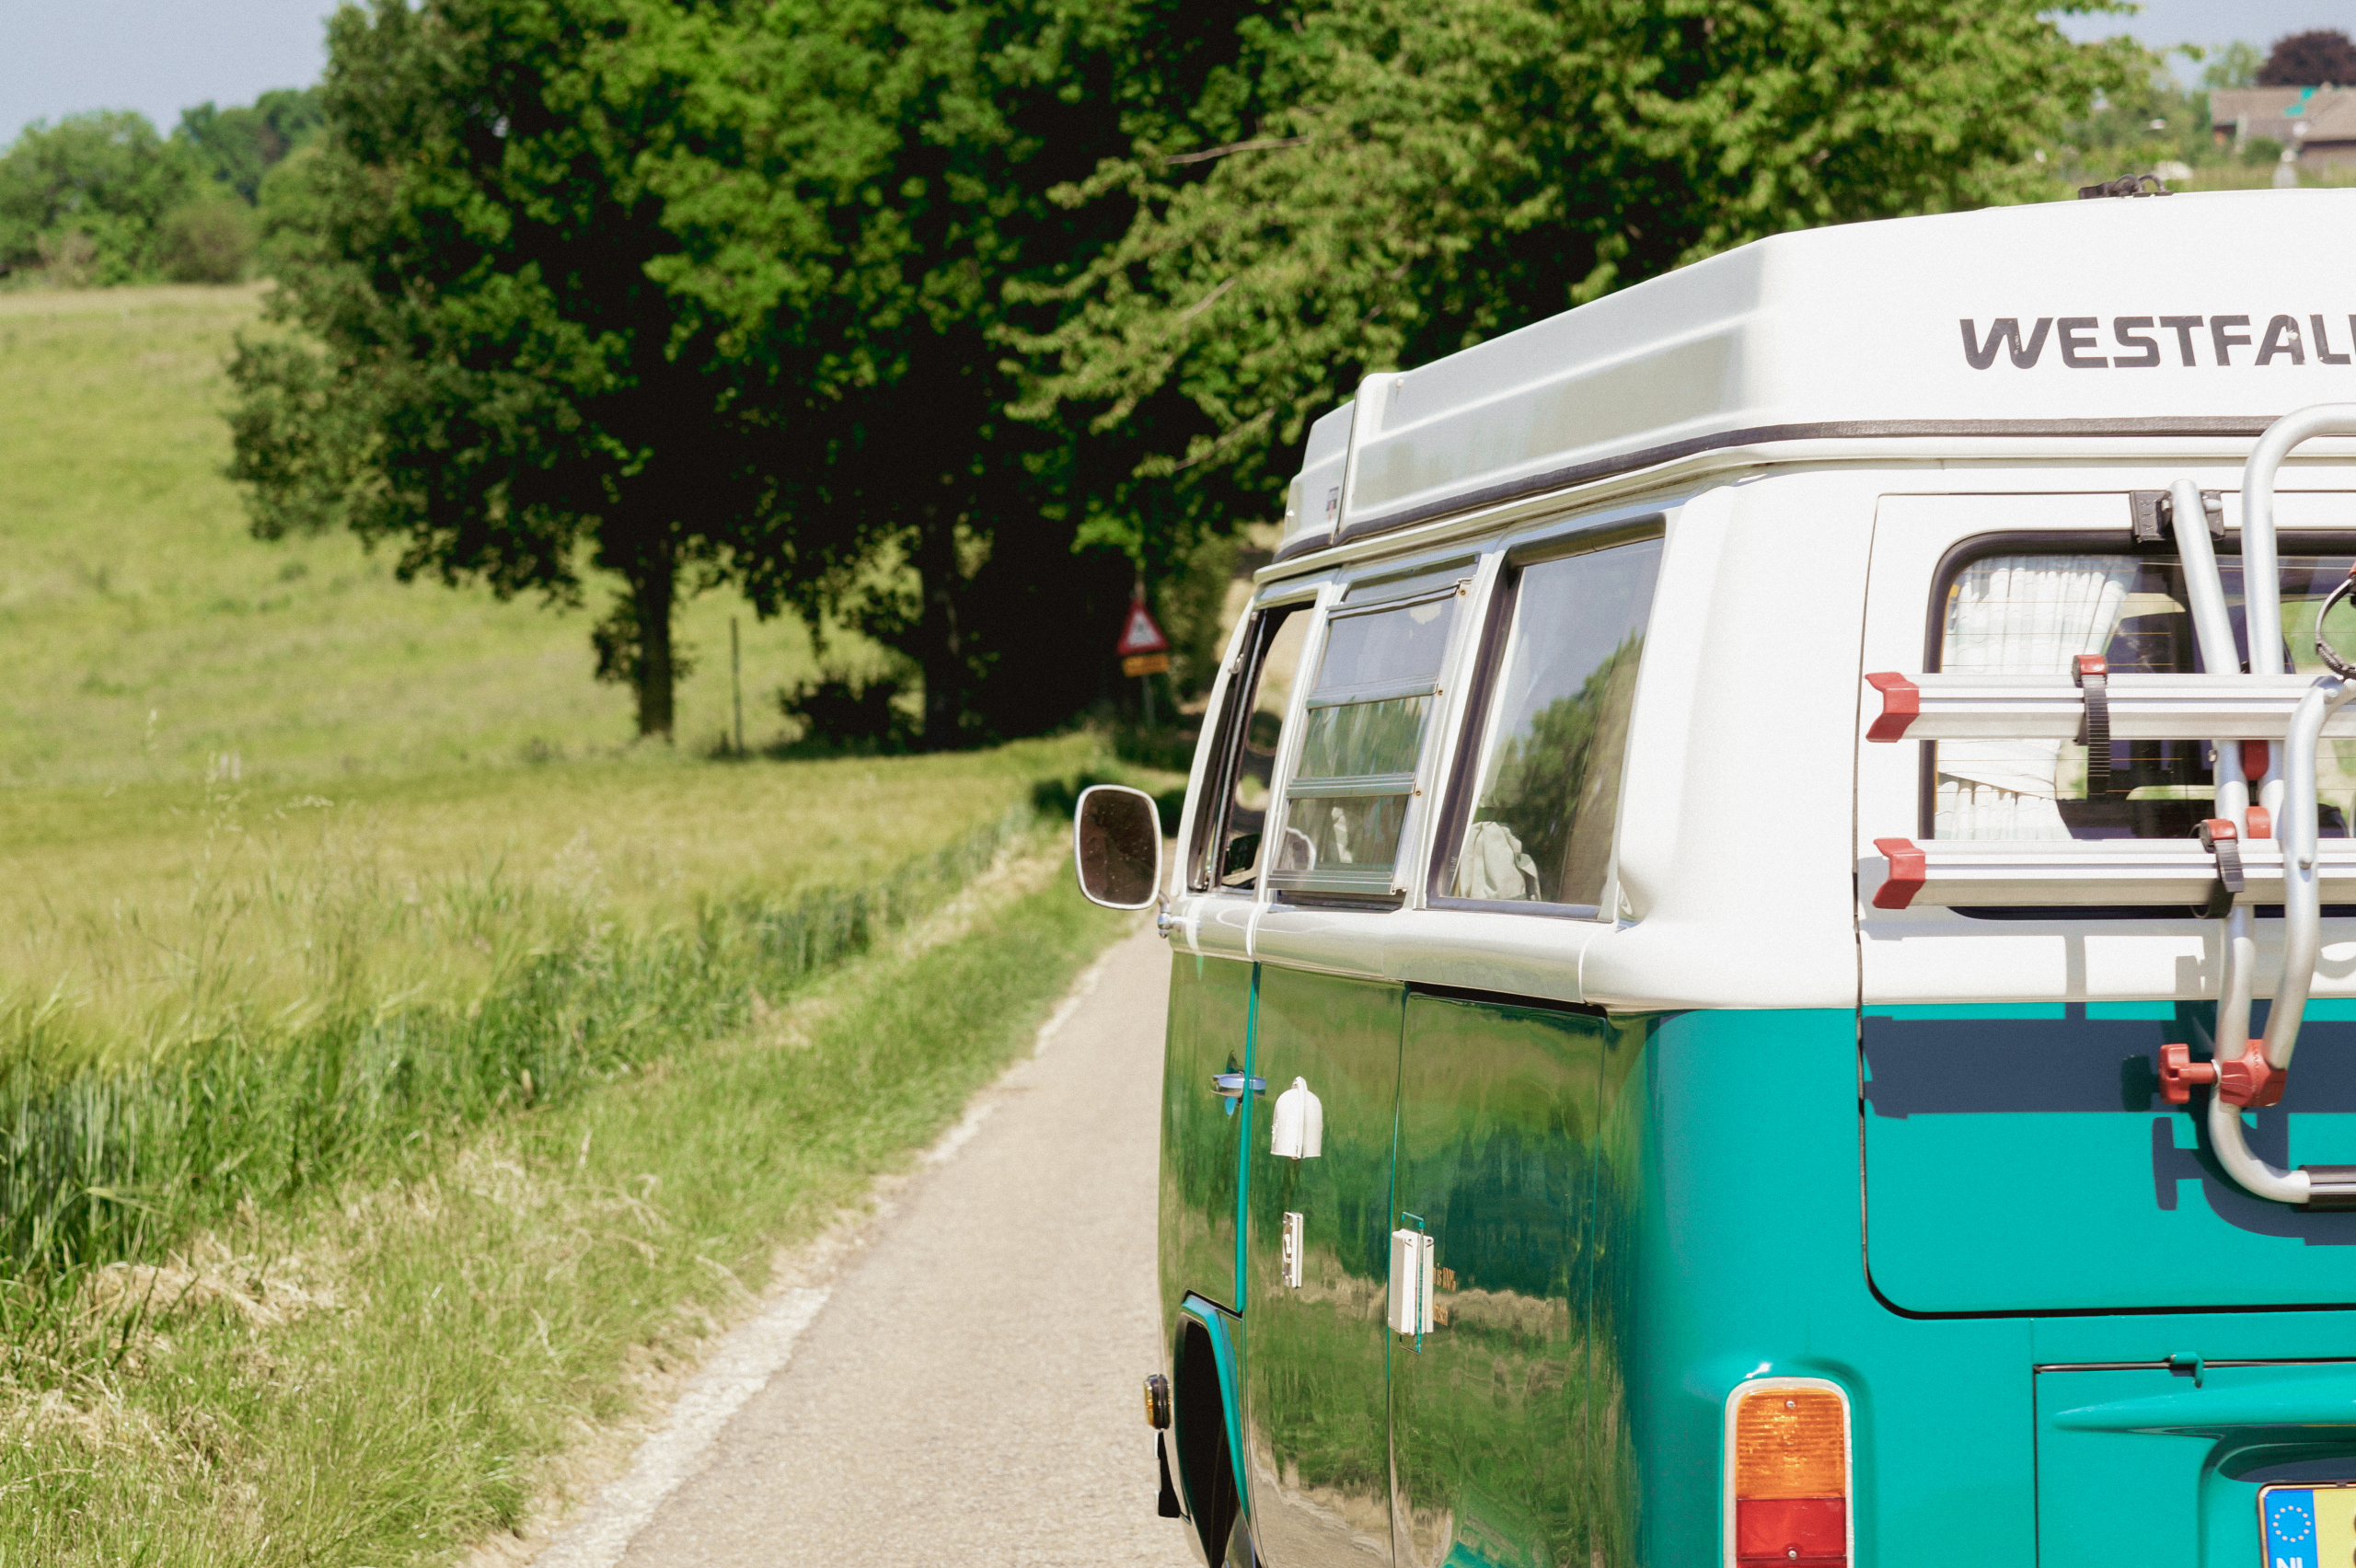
x=2217 y=837
x=2093 y=675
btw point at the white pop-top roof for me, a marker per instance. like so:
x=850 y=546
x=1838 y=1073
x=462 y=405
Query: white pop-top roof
x=2196 y=314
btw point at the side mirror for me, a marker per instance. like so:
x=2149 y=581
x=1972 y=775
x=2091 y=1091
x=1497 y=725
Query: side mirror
x=1116 y=844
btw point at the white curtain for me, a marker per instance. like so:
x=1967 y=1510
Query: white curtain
x=2020 y=614
x=1493 y=865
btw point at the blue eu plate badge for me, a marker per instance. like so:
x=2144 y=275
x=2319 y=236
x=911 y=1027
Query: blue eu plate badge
x=2308 y=1527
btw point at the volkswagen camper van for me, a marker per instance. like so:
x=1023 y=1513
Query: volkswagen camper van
x=1750 y=883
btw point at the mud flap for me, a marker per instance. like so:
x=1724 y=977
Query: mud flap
x=1167 y=1504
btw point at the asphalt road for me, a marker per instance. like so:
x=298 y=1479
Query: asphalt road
x=967 y=1388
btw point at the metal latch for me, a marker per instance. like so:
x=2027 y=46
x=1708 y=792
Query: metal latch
x=1292 y=1248
x=2155 y=514
x=2125 y=185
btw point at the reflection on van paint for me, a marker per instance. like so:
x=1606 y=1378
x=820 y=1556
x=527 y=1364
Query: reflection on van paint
x=1209 y=999
x=1721 y=1234
x=1500 y=1453
x=1315 y=1408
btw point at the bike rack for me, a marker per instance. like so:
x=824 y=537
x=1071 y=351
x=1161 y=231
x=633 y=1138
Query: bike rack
x=2265 y=726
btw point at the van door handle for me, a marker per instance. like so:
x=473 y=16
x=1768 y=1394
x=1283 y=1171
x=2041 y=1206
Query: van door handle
x=1230 y=1086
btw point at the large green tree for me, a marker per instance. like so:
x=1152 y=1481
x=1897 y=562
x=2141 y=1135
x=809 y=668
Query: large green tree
x=717 y=292
x=491 y=361
x=1415 y=177
x=892 y=306
x=237 y=146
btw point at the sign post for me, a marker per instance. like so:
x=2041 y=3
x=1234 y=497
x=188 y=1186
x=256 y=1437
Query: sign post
x=1144 y=651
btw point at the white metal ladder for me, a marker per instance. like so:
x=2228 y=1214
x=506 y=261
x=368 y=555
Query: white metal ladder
x=2252 y=852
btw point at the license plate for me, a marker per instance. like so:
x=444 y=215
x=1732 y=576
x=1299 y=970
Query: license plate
x=2308 y=1527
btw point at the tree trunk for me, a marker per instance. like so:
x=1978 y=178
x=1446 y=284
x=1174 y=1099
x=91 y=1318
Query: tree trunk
x=941 y=650
x=653 y=589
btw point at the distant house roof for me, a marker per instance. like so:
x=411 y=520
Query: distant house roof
x=2276 y=113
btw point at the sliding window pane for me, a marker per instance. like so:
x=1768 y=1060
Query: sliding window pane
x=1338 y=838
x=1386 y=647
x=1361 y=738
x=1556 y=732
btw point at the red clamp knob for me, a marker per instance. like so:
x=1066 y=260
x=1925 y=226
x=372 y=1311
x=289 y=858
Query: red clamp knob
x=2247 y=1080
x=2179 y=1072
x=2251 y=1082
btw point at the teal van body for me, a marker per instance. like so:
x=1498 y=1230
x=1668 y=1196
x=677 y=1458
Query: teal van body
x=1632 y=1100
x=1645 y=1197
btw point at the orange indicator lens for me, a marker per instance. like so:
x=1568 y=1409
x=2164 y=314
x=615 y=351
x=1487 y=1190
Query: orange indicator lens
x=1790 y=1468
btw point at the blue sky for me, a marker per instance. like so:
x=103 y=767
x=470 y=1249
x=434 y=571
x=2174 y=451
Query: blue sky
x=160 y=56
x=156 y=56
x=2165 y=23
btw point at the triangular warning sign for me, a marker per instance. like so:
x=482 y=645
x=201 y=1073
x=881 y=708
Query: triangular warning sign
x=1138 y=634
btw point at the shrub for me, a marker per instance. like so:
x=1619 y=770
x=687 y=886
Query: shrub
x=105 y=175
x=855 y=712
x=68 y=260
x=207 y=242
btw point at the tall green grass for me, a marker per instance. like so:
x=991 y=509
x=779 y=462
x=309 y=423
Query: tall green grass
x=102 y=1163
x=226 y=998
x=401 y=1365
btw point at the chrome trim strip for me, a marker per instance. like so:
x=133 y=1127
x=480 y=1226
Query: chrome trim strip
x=1510 y=955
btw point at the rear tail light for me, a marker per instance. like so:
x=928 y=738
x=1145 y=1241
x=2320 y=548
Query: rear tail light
x=1788 y=1475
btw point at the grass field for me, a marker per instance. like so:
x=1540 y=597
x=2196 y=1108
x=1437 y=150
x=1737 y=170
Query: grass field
x=389 y=1368
x=149 y=639
x=394 y=1059
x=148 y=917
x=231 y=1002
x=363 y=1143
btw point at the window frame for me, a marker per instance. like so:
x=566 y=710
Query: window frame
x=1263 y=619
x=1479 y=696
x=2069 y=541
x=2064 y=541
x=1388 y=587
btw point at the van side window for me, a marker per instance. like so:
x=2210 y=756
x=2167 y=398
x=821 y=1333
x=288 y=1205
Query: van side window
x=1243 y=780
x=1555 y=733
x=2006 y=610
x=1345 y=805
